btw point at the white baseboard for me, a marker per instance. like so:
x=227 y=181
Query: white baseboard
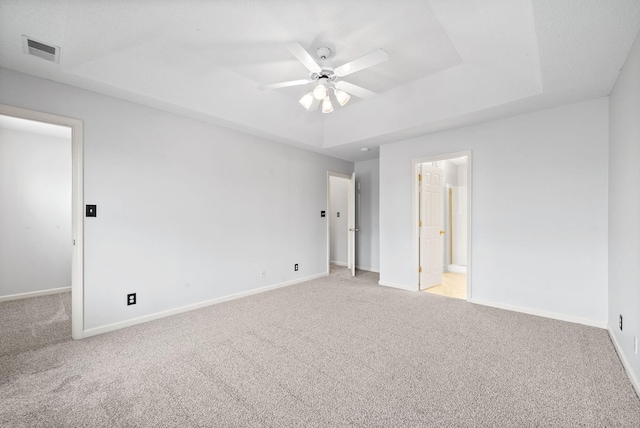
x=456 y=269
x=145 y=318
x=34 y=294
x=625 y=361
x=368 y=269
x=540 y=313
x=399 y=286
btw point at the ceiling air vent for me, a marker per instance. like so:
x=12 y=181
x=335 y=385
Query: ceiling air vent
x=39 y=49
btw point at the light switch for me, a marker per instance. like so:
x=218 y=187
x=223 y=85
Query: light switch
x=92 y=211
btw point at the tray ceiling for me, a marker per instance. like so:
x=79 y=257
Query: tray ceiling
x=451 y=62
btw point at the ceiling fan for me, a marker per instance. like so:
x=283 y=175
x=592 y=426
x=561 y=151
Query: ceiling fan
x=328 y=78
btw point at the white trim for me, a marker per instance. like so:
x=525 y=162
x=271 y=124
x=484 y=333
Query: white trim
x=34 y=294
x=366 y=268
x=398 y=286
x=457 y=269
x=540 y=313
x=625 y=361
x=416 y=231
x=77 y=212
x=145 y=318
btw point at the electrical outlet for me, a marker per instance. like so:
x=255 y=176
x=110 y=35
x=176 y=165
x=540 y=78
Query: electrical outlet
x=635 y=344
x=620 y=322
x=131 y=299
x=263 y=273
x=295 y=267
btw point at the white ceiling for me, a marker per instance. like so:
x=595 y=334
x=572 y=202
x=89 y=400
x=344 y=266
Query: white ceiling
x=451 y=62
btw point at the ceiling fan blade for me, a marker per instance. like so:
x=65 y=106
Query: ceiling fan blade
x=285 y=84
x=356 y=90
x=303 y=56
x=369 y=60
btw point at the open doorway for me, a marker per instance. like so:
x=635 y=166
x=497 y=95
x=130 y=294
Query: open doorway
x=42 y=214
x=341 y=227
x=443 y=205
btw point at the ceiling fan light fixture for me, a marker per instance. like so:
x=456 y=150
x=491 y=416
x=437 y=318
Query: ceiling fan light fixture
x=327 y=107
x=320 y=92
x=342 y=97
x=307 y=100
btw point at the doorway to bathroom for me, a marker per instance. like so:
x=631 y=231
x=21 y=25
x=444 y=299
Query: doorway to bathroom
x=443 y=212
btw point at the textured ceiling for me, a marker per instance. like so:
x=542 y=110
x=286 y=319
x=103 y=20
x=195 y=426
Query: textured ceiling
x=451 y=62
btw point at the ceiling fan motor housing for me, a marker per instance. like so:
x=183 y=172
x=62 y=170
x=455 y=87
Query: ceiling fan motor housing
x=326 y=73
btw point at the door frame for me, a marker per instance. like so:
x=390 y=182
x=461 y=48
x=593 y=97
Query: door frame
x=328 y=213
x=416 y=211
x=77 y=200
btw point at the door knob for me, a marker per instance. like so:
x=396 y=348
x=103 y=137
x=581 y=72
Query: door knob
x=442 y=232
x=353 y=229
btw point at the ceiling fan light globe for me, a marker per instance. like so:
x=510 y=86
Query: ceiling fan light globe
x=320 y=92
x=342 y=97
x=307 y=100
x=327 y=107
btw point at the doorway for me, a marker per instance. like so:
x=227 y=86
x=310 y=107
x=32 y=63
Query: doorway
x=341 y=226
x=74 y=234
x=443 y=230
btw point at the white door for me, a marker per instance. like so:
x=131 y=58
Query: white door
x=431 y=232
x=351 y=219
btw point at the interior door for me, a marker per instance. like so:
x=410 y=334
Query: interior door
x=351 y=219
x=431 y=232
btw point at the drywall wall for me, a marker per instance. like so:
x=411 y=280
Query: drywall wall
x=450 y=180
x=455 y=180
x=338 y=218
x=460 y=215
x=450 y=173
x=539 y=213
x=367 y=215
x=35 y=212
x=187 y=211
x=624 y=209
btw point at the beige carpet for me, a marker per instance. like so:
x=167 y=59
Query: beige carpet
x=34 y=323
x=331 y=352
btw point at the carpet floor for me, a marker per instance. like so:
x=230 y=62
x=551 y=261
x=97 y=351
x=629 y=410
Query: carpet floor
x=337 y=351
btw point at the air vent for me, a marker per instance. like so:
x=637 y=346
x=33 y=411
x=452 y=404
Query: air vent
x=41 y=50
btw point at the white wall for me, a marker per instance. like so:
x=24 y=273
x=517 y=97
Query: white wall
x=456 y=182
x=187 y=211
x=35 y=212
x=539 y=226
x=624 y=209
x=339 y=225
x=460 y=218
x=367 y=215
x=450 y=181
x=450 y=172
